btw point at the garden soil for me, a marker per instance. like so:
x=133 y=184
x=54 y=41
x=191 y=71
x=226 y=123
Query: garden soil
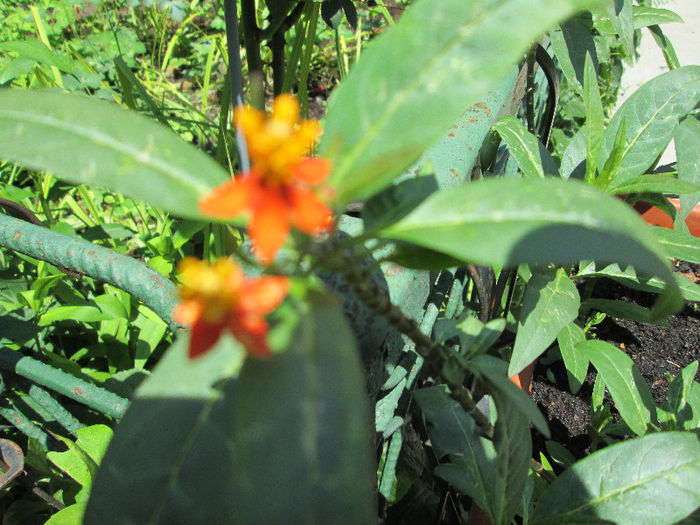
x=657 y=350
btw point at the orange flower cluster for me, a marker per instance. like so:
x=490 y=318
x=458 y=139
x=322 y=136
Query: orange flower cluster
x=279 y=189
x=219 y=297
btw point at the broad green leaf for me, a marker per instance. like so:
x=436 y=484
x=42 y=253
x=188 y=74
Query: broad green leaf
x=109 y=147
x=625 y=383
x=594 y=118
x=506 y=222
x=571 y=43
x=678 y=244
x=550 y=303
x=679 y=389
x=652 y=114
x=416 y=79
x=652 y=480
x=576 y=362
x=654 y=184
x=286 y=441
x=471 y=468
x=687 y=141
x=168 y=413
x=494 y=371
x=522 y=144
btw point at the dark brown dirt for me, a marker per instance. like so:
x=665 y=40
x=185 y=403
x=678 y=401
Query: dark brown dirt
x=656 y=350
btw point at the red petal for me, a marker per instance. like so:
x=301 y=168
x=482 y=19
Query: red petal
x=203 y=337
x=269 y=225
x=311 y=215
x=313 y=170
x=262 y=295
x=251 y=331
x=230 y=199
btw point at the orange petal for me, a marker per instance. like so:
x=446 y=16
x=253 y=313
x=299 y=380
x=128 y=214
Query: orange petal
x=230 y=199
x=263 y=295
x=203 y=337
x=188 y=312
x=269 y=225
x=311 y=215
x=251 y=331
x=313 y=170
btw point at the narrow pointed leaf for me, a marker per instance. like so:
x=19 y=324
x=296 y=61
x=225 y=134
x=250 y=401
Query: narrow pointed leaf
x=471 y=469
x=551 y=302
x=688 y=153
x=571 y=43
x=512 y=221
x=513 y=445
x=625 y=383
x=652 y=114
x=89 y=141
x=494 y=371
x=522 y=144
x=576 y=362
x=441 y=58
x=594 y=118
x=653 y=480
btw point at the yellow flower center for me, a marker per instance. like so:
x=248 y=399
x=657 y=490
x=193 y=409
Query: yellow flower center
x=278 y=142
x=215 y=287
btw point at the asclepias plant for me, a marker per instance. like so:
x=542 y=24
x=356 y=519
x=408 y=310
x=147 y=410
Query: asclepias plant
x=261 y=411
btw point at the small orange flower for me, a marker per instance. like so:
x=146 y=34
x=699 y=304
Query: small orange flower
x=220 y=297
x=278 y=190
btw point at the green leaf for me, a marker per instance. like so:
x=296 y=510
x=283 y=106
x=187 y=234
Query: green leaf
x=522 y=144
x=650 y=16
x=574 y=156
x=611 y=167
x=594 y=118
x=622 y=18
x=619 y=309
x=494 y=371
x=667 y=184
x=625 y=383
x=109 y=147
x=85 y=314
x=513 y=445
x=302 y=449
x=652 y=114
x=571 y=43
x=687 y=140
x=506 y=222
x=442 y=57
x=36 y=51
x=472 y=468
x=651 y=480
x=678 y=244
x=550 y=303
x=287 y=441
x=575 y=361
x=689 y=290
